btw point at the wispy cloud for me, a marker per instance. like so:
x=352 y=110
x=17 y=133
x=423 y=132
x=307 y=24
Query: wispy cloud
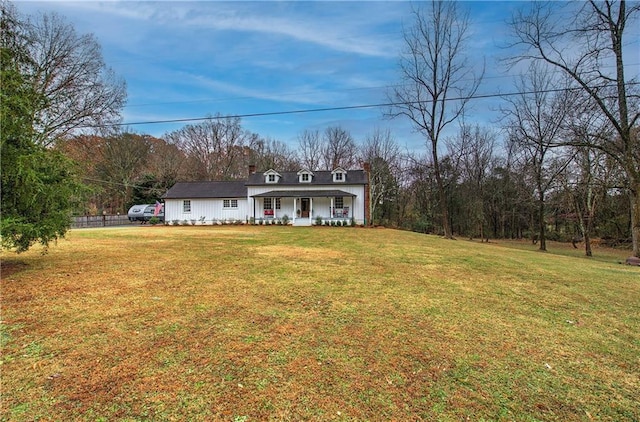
x=227 y=91
x=336 y=31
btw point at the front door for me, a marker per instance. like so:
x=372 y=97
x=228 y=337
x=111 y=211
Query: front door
x=304 y=207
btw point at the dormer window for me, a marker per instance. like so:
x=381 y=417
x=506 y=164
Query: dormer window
x=339 y=175
x=305 y=176
x=271 y=176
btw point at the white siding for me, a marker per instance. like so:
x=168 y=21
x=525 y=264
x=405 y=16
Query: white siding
x=320 y=206
x=210 y=209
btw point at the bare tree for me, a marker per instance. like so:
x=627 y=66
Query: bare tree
x=588 y=46
x=382 y=153
x=166 y=165
x=473 y=151
x=437 y=80
x=216 y=148
x=593 y=172
x=310 y=149
x=586 y=184
x=67 y=70
x=272 y=154
x=121 y=164
x=535 y=122
x=338 y=149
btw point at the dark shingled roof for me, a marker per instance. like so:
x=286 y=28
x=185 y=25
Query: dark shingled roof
x=189 y=190
x=353 y=177
x=302 y=194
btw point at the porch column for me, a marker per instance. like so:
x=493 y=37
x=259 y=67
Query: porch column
x=331 y=208
x=295 y=207
x=310 y=209
x=273 y=205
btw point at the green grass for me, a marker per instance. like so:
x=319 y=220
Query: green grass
x=277 y=323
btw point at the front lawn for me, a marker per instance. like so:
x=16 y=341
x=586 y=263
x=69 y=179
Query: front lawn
x=243 y=323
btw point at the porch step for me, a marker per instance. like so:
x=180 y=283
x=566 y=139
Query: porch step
x=302 y=222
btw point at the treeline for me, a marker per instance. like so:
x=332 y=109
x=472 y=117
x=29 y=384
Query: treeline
x=492 y=186
x=563 y=162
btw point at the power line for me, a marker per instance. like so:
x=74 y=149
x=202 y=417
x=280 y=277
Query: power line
x=337 y=108
x=109 y=182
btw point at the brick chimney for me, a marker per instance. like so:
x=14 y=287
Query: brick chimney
x=252 y=169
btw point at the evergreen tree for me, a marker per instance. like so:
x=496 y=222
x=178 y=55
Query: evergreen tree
x=38 y=184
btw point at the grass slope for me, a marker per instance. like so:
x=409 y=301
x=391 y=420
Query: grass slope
x=277 y=323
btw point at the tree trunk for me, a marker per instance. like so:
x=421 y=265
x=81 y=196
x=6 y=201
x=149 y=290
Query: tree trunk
x=585 y=228
x=634 y=195
x=542 y=228
x=587 y=244
x=444 y=206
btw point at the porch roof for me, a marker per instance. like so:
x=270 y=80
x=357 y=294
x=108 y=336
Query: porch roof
x=302 y=194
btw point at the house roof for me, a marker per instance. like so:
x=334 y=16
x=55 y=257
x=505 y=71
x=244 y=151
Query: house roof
x=353 y=177
x=190 y=190
x=302 y=194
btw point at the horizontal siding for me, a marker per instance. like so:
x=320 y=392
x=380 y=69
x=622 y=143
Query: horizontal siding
x=210 y=209
x=320 y=206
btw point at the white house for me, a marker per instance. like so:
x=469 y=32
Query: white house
x=302 y=196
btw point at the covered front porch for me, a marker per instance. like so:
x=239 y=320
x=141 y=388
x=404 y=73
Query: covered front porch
x=303 y=207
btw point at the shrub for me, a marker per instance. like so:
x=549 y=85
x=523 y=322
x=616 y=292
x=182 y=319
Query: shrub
x=154 y=220
x=422 y=225
x=285 y=219
x=260 y=221
x=318 y=221
x=175 y=222
x=353 y=222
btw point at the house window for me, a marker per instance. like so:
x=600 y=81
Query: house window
x=339 y=202
x=230 y=203
x=339 y=177
x=277 y=203
x=186 y=205
x=267 y=204
x=271 y=178
x=305 y=177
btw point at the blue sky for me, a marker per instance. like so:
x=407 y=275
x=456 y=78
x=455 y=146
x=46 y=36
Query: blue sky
x=186 y=60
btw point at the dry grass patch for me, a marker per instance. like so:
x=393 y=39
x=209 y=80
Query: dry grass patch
x=255 y=323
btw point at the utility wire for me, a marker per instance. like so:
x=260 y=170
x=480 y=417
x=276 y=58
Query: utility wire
x=109 y=182
x=340 y=108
